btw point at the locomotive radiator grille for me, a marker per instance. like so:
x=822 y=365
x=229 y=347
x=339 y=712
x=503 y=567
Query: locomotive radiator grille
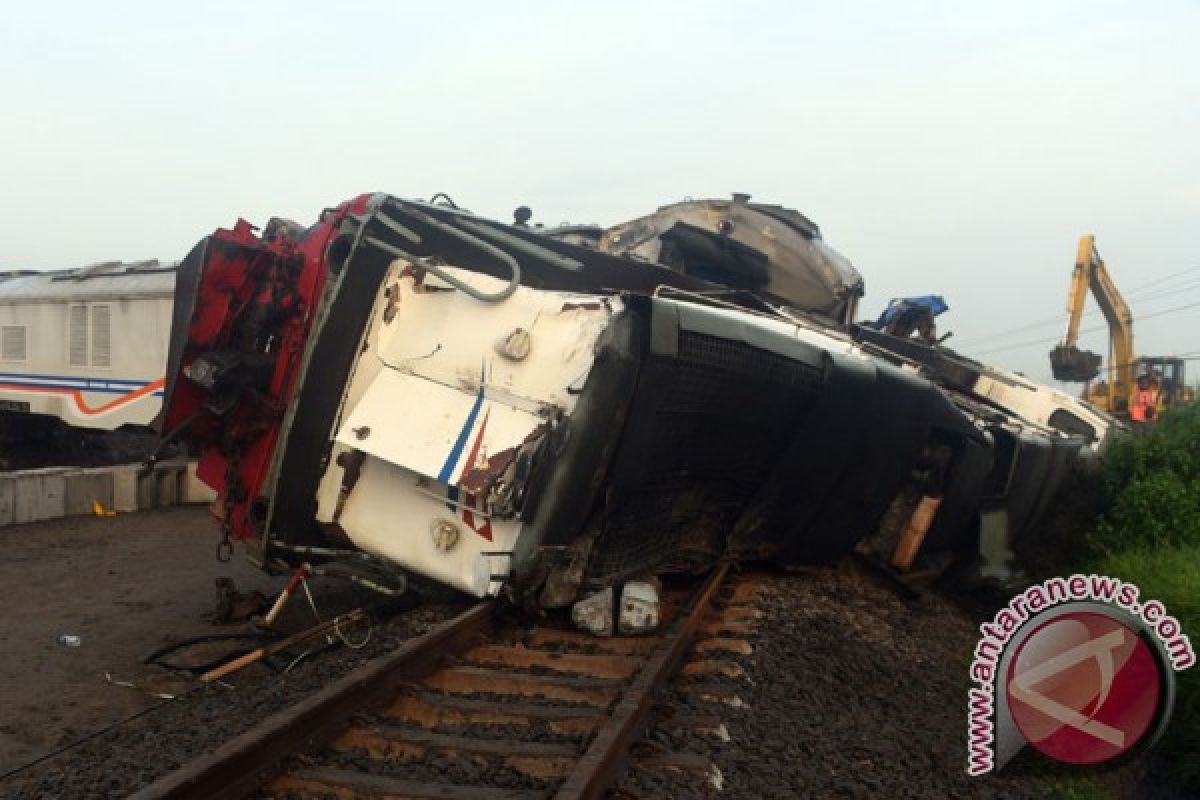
x=716 y=418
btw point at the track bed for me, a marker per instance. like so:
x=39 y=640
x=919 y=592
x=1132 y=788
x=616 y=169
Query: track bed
x=479 y=708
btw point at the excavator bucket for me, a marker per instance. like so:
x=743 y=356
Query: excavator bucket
x=1074 y=365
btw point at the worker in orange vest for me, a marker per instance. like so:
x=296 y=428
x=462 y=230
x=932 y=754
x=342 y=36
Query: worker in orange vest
x=1144 y=407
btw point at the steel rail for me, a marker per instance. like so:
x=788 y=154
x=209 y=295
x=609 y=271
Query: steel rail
x=243 y=764
x=606 y=756
x=239 y=766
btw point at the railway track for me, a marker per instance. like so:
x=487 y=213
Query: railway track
x=481 y=709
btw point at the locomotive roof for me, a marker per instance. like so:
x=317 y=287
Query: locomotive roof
x=111 y=280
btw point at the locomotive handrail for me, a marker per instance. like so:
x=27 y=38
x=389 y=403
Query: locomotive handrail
x=486 y=297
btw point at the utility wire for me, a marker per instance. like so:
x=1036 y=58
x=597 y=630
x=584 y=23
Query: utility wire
x=1167 y=278
x=1044 y=340
x=1101 y=328
x=94 y=734
x=1159 y=291
x=1132 y=294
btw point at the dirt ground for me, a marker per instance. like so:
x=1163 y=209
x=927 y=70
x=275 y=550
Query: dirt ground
x=125 y=585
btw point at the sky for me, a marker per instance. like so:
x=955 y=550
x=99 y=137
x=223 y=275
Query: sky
x=956 y=148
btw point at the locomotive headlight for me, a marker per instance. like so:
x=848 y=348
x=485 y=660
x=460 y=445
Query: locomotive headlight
x=201 y=372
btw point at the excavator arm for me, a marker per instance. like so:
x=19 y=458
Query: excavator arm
x=1121 y=368
x=1068 y=362
x=1080 y=281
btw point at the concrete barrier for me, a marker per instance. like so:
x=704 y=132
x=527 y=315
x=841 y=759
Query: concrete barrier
x=85 y=488
x=55 y=492
x=40 y=494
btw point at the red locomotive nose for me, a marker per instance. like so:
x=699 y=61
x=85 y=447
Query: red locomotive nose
x=243 y=312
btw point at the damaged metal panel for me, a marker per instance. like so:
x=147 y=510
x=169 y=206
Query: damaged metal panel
x=770 y=249
x=1007 y=392
x=756 y=437
x=456 y=397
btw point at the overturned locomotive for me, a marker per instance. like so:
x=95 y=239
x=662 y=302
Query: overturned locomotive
x=407 y=391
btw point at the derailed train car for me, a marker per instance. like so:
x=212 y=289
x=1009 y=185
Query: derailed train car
x=404 y=390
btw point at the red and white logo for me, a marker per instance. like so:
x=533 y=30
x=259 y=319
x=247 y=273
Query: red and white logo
x=1084 y=688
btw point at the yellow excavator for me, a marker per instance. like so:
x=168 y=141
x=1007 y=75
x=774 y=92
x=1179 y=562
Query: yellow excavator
x=1069 y=363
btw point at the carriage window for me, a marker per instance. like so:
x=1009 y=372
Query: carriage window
x=77 y=336
x=1067 y=422
x=12 y=343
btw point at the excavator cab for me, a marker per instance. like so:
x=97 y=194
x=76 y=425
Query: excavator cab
x=1171 y=378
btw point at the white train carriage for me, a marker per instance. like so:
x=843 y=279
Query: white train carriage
x=87 y=345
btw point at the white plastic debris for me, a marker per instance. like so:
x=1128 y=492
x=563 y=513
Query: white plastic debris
x=716 y=779
x=638 y=610
x=594 y=613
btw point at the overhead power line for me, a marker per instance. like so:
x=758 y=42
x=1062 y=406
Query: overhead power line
x=1167 y=278
x=1046 y=340
x=1133 y=294
x=1059 y=322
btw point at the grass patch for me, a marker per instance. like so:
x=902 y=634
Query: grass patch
x=1172 y=576
x=1079 y=787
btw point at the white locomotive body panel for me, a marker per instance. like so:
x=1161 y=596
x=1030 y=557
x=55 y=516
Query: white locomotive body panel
x=448 y=388
x=1046 y=406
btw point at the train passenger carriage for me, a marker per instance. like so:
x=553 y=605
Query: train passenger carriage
x=86 y=346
